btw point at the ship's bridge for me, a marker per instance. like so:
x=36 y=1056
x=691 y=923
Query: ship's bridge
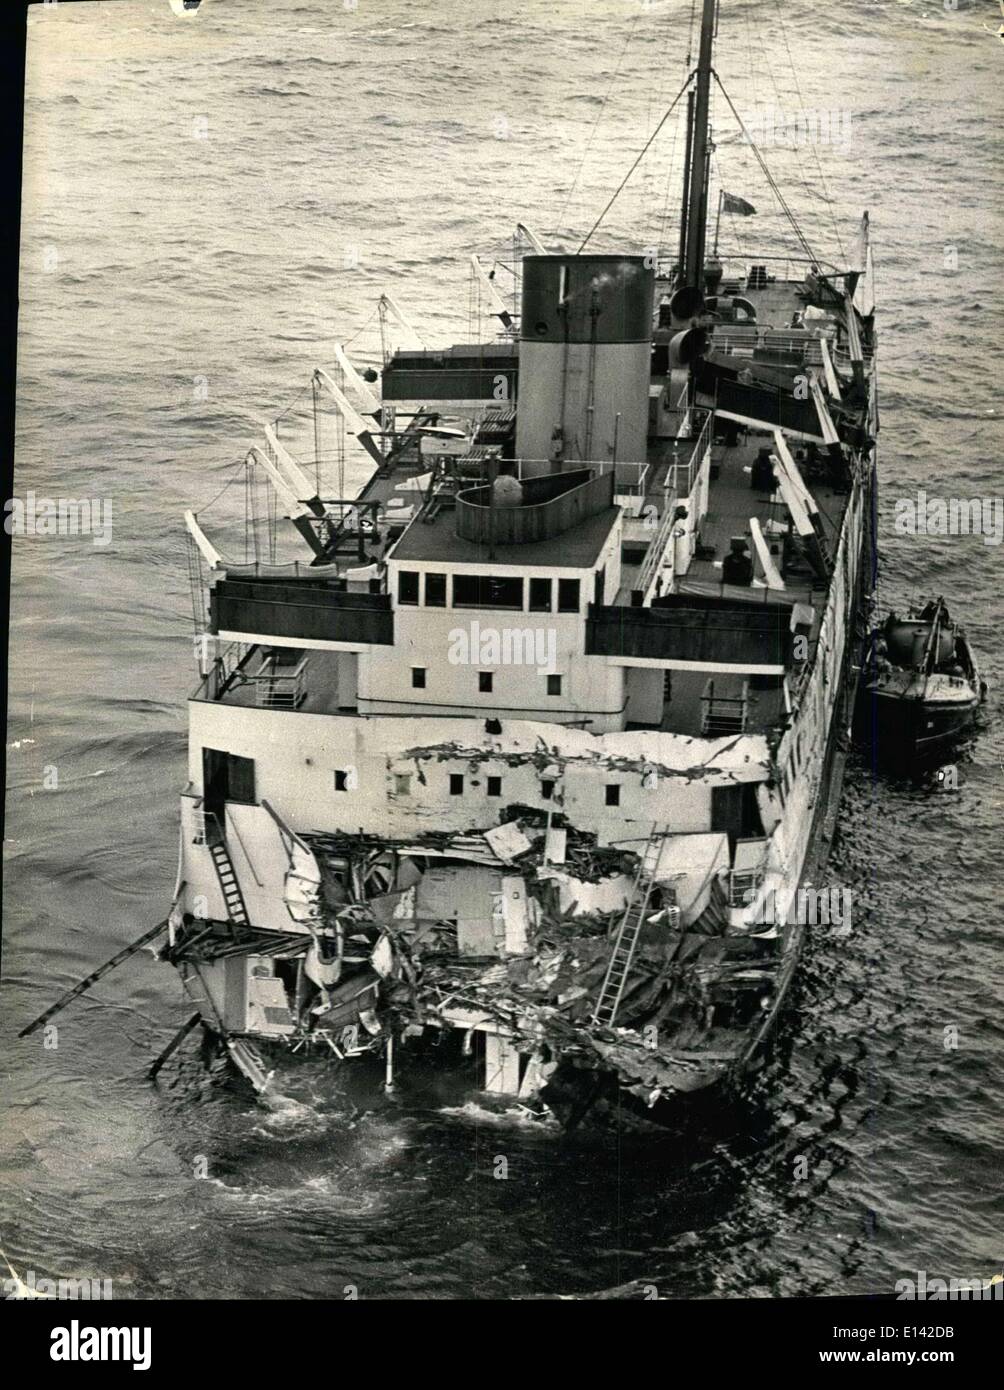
x=548 y=596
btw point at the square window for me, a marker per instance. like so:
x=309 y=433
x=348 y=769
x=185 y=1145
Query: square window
x=494 y=786
x=613 y=794
x=402 y=783
x=341 y=779
x=456 y=784
x=554 y=685
x=418 y=678
x=435 y=591
x=485 y=682
x=568 y=596
x=540 y=595
x=547 y=788
x=407 y=586
x=487 y=591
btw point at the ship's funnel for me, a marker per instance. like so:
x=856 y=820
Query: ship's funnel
x=584 y=360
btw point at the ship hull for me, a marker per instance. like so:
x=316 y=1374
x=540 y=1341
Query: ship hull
x=900 y=728
x=581 y=1096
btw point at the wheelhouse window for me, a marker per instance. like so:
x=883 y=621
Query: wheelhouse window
x=488 y=591
x=407 y=586
x=435 y=591
x=613 y=794
x=554 y=685
x=494 y=786
x=547 y=788
x=418 y=678
x=568 y=596
x=485 y=682
x=540 y=595
x=456 y=784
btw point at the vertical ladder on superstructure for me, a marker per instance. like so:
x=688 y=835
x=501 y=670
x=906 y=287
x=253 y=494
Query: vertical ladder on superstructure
x=626 y=940
x=232 y=895
x=723 y=714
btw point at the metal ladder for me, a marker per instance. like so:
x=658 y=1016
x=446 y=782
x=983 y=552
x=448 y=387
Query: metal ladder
x=723 y=714
x=626 y=940
x=234 y=898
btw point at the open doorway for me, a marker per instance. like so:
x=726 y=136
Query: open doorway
x=225 y=777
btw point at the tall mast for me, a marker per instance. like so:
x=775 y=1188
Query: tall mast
x=686 y=183
x=696 y=174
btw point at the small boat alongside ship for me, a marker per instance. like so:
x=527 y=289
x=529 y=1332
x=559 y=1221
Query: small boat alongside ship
x=921 y=688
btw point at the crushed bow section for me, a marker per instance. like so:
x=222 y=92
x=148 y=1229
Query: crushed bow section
x=557 y=957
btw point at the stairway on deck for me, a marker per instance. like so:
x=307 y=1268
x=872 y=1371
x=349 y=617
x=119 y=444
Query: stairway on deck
x=227 y=877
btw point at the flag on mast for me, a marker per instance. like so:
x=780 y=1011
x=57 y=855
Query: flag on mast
x=738 y=206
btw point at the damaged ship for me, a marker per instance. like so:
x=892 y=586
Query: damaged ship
x=533 y=748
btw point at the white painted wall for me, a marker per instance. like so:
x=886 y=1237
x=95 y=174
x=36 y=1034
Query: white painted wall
x=590 y=688
x=296 y=755
x=645 y=688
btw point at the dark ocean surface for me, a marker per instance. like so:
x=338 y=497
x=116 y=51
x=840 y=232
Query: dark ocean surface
x=223 y=198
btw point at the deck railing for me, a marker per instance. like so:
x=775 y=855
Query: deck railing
x=793 y=342
x=682 y=476
x=223 y=671
x=737 y=266
x=274 y=689
x=652 y=562
x=744 y=884
x=680 y=480
x=629 y=476
x=723 y=714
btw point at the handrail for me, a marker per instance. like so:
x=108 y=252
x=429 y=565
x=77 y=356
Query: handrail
x=285 y=829
x=202 y=819
x=622 y=488
x=655 y=552
x=240 y=841
x=694 y=462
x=274 y=683
x=743 y=882
x=716 y=700
x=218 y=677
x=574 y=465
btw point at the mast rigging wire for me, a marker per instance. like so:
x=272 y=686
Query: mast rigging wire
x=641 y=155
x=767 y=174
x=596 y=122
x=815 y=150
x=237 y=463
